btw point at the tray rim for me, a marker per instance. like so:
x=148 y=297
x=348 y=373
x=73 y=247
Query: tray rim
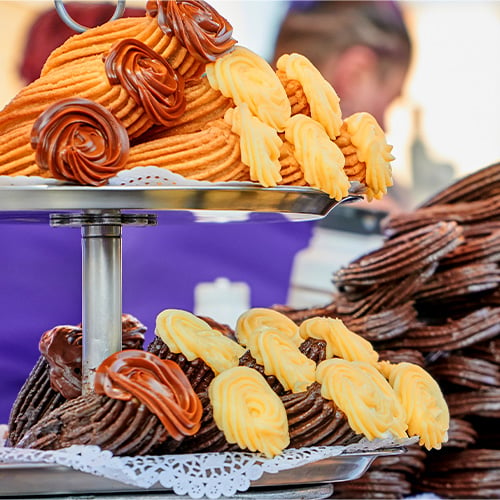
x=360 y=460
x=298 y=200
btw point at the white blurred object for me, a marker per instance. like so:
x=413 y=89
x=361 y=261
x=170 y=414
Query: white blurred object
x=222 y=300
x=313 y=268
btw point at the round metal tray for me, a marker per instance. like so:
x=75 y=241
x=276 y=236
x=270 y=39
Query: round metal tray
x=198 y=203
x=42 y=479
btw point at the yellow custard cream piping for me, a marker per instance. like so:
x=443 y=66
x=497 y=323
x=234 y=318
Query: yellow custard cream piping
x=340 y=341
x=248 y=411
x=185 y=333
x=323 y=101
x=427 y=411
x=320 y=159
x=371 y=147
x=281 y=357
x=260 y=145
x=255 y=319
x=364 y=395
x=247 y=78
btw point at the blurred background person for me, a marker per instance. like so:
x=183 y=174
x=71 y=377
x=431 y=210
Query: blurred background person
x=362 y=48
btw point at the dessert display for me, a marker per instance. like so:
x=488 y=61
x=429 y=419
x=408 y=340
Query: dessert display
x=195 y=389
x=435 y=306
x=406 y=349
x=174 y=90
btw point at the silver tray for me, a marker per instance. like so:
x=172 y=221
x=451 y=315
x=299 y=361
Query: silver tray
x=22 y=479
x=33 y=203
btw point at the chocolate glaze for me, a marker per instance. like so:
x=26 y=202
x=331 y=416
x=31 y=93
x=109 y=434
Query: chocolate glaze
x=78 y=140
x=62 y=348
x=197 y=25
x=148 y=78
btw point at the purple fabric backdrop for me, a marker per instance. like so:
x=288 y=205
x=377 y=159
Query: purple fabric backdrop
x=40 y=285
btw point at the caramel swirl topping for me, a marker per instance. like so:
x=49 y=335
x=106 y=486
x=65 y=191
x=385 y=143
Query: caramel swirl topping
x=62 y=348
x=159 y=384
x=148 y=78
x=80 y=141
x=198 y=26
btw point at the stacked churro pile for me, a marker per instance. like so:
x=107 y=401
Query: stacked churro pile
x=431 y=295
x=173 y=90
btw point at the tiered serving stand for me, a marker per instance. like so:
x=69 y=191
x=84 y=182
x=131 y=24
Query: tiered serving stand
x=101 y=212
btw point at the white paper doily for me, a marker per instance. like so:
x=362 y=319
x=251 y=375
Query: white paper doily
x=25 y=180
x=203 y=474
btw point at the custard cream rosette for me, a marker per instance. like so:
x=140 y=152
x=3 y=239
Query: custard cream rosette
x=364 y=395
x=80 y=141
x=247 y=78
x=340 y=341
x=196 y=24
x=319 y=157
x=260 y=145
x=371 y=149
x=322 y=99
x=186 y=334
x=139 y=403
x=426 y=409
x=281 y=357
x=256 y=319
x=248 y=411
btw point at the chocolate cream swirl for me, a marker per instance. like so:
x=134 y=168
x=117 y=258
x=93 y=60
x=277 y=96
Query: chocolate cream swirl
x=148 y=78
x=62 y=348
x=196 y=24
x=78 y=140
x=158 y=384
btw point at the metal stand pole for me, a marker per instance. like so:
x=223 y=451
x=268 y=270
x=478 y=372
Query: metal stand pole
x=101 y=282
x=101 y=296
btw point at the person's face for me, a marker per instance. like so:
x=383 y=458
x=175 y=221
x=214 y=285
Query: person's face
x=387 y=88
x=364 y=82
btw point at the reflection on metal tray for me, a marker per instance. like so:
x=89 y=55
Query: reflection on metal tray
x=214 y=203
x=40 y=479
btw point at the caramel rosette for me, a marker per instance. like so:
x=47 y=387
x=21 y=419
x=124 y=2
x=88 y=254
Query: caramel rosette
x=319 y=157
x=259 y=144
x=247 y=78
x=426 y=409
x=149 y=79
x=322 y=99
x=158 y=384
x=372 y=149
x=281 y=357
x=248 y=412
x=185 y=333
x=364 y=395
x=257 y=318
x=340 y=341
x=197 y=25
x=80 y=141
x=61 y=346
